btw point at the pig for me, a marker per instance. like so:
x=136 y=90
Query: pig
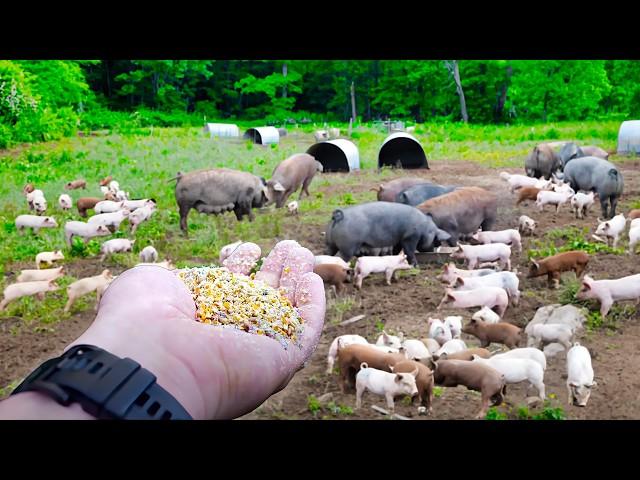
x=321 y=135
x=579 y=376
x=593 y=151
x=219 y=190
x=323 y=259
x=40 y=275
x=386 y=384
x=116 y=245
x=508 y=281
x=634 y=238
x=108 y=206
x=466 y=355
x=166 y=263
x=365 y=266
x=24 y=289
x=420 y=193
x=351 y=357
x=32 y=196
x=454 y=324
x=416 y=350
x=489 y=333
x=545 y=333
x=530 y=353
x=452 y=346
x=508 y=237
x=611 y=229
x=569 y=152
x=390 y=340
x=526 y=225
x=601 y=176
x=297 y=170
x=28 y=188
x=527 y=193
x=110 y=220
x=553 y=266
x=487 y=315
x=332 y=274
x=609 y=291
x=450 y=273
x=462 y=212
x=345 y=341
x=140 y=215
x=114 y=186
x=84 y=230
x=65 y=202
x=292 y=208
x=48 y=258
x=387 y=192
x=121 y=195
x=132 y=205
x=424 y=382
x=552 y=198
x=542 y=162
x=484 y=253
x=438 y=331
x=516 y=181
x=633 y=214
x=105 y=181
x=86 y=285
x=76 y=184
x=432 y=345
x=516 y=370
x=481 y=378
x=34 y=222
x=227 y=250
x=86 y=203
x=105 y=191
x=39 y=205
x=582 y=202
x=493 y=297
x=562 y=187
x=149 y=254
x=380 y=224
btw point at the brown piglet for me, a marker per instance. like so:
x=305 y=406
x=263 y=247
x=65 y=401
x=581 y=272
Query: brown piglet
x=351 y=357
x=332 y=274
x=527 y=193
x=424 y=381
x=488 y=333
x=562 y=262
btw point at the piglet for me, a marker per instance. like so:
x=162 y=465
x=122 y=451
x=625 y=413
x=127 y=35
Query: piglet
x=34 y=222
x=388 y=264
x=343 y=341
x=416 y=350
x=24 y=289
x=108 y=206
x=516 y=370
x=110 y=220
x=149 y=254
x=552 y=198
x=48 y=258
x=86 y=203
x=516 y=181
x=454 y=324
x=388 y=385
x=493 y=297
x=140 y=215
x=332 y=274
x=582 y=202
x=488 y=333
x=116 y=245
x=292 y=207
x=609 y=291
x=611 y=229
x=76 y=184
x=424 y=382
x=508 y=237
x=450 y=272
x=508 y=281
x=579 y=375
x=438 y=331
x=40 y=205
x=132 y=205
x=526 y=225
x=84 y=230
x=452 y=346
x=37 y=275
x=484 y=253
x=534 y=354
x=487 y=315
x=554 y=265
x=86 y=285
x=322 y=259
x=390 y=340
x=65 y=202
x=545 y=333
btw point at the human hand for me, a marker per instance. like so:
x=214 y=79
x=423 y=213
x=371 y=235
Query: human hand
x=148 y=314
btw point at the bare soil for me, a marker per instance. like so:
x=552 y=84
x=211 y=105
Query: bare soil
x=405 y=306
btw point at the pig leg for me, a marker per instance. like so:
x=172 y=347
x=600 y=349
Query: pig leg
x=409 y=245
x=605 y=306
x=569 y=394
x=358 y=281
x=184 y=213
x=305 y=188
x=390 y=403
x=72 y=299
x=500 y=309
x=540 y=387
x=579 y=270
x=472 y=263
x=4 y=303
x=604 y=207
x=389 y=275
x=360 y=389
x=484 y=406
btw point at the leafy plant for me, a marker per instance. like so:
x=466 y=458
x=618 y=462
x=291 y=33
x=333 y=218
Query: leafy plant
x=494 y=414
x=313 y=405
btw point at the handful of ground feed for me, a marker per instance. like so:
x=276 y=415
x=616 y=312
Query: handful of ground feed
x=228 y=299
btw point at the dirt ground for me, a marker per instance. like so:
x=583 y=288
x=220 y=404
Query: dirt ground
x=405 y=306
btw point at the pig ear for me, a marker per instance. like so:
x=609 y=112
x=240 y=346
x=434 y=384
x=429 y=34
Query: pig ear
x=475 y=357
x=535 y=263
x=390 y=367
x=415 y=372
x=459 y=281
x=585 y=285
x=449 y=296
x=398 y=377
x=278 y=187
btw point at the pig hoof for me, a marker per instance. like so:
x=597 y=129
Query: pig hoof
x=422 y=411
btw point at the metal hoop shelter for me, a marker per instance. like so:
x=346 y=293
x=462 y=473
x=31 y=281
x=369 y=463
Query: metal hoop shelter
x=336 y=155
x=263 y=135
x=402 y=150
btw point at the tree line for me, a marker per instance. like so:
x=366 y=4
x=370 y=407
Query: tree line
x=58 y=95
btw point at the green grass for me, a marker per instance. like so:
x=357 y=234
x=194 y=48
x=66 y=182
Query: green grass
x=572 y=238
x=144 y=160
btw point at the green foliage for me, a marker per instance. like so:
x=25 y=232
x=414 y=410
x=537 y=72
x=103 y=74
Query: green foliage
x=494 y=414
x=437 y=391
x=549 y=413
x=313 y=405
x=574 y=240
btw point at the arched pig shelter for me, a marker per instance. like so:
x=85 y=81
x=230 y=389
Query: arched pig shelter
x=336 y=155
x=263 y=135
x=629 y=137
x=403 y=147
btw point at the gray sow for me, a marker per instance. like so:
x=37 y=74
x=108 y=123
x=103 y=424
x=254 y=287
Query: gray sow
x=598 y=175
x=417 y=194
x=381 y=224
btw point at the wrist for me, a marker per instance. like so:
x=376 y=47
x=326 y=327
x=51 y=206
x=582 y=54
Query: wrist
x=38 y=406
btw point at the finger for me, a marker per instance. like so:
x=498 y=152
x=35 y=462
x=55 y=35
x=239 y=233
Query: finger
x=272 y=266
x=299 y=261
x=311 y=303
x=243 y=258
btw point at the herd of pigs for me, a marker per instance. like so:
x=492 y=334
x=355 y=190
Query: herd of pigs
x=411 y=215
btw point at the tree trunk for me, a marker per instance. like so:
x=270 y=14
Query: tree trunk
x=106 y=64
x=284 y=74
x=452 y=66
x=353 y=102
x=498 y=112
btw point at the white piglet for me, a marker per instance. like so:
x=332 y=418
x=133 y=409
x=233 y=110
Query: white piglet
x=516 y=370
x=34 y=222
x=508 y=237
x=492 y=297
x=611 y=229
x=579 y=375
x=492 y=252
x=84 y=230
x=65 y=202
x=527 y=225
x=552 y=198
x=388 y=264
x=530 y=353
x=609 y=291
x=140 y=215
x=454 y=324
x=452 y=346
x=86 y=285
x=486 y=315
x=341 y=342
x=582 y=202
x=416 y=350
x=116 y=245
x=544 y=333
x=24 y=289
x=508 y=281
x=47 y=258
x=108 y=206
x=149 y=254
x=438 y=331
x=390 y=340
x=36 y=275
x=109 y=220
x=388 y=385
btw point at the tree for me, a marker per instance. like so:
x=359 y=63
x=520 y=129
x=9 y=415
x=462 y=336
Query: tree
x=452 y=66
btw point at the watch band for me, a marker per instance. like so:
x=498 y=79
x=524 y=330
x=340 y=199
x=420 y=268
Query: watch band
x=105 y=385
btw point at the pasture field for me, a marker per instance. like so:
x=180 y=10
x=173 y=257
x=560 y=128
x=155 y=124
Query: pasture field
x=144 y=161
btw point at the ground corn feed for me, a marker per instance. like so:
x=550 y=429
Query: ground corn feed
x=227 y=299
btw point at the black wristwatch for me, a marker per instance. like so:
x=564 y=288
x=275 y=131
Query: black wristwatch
x=106 y=386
